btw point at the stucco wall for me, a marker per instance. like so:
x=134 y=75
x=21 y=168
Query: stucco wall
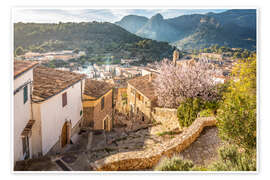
x=36 y=132
x=138 y=160
x=53 y=115
x=22 y=113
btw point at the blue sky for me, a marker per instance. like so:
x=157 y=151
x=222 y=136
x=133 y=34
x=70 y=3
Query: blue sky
x=84 y=15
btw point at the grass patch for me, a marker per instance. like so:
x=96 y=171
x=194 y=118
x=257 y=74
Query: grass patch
x=171 y=133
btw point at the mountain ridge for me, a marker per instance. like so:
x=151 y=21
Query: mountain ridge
x=233 y=27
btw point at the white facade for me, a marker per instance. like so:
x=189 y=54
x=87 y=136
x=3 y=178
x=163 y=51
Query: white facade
x=52 y=116
x=22 y=111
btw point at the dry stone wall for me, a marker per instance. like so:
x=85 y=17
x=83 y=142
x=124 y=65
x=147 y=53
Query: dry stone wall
x=148 y=158
x=167 y=117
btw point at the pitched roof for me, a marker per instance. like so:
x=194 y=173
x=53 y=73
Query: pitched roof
x=21 y=66
x=95 y=88
x=143 y=85
x=49 y=82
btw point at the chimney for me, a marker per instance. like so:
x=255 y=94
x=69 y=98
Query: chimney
x=175 y=56
x=150 y=77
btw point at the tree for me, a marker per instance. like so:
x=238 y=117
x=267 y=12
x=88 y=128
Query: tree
x=237 y=114
x=19 y=51
x=174 y=84
x=76 y=51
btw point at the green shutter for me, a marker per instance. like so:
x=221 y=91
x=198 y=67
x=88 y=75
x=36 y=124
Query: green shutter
x=25 y=94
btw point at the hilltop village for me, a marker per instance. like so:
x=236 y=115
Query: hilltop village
x=71 y=118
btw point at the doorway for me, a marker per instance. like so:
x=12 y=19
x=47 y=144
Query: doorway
x=65 y=134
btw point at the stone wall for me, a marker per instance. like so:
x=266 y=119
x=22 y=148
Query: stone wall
x=148 y=158
x=93 y=114
x=136 y=105
x=121 y=105
x=88 y=116
x=167 y=117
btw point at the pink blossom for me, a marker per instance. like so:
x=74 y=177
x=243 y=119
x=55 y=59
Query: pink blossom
x=186 y=80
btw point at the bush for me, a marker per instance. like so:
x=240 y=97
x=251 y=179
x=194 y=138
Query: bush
x=237 y=114
x=176 y=163
x=231 y=159
x=206 y=113
x=188 y=111
x=19 y=51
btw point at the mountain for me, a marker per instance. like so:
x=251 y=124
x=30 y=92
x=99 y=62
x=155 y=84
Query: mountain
x=99 y=40
x=158 y=29
x=233 y=28
x=132 y=23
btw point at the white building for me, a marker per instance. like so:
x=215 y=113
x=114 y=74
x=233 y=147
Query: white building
x=57 y=108
x=23 y=119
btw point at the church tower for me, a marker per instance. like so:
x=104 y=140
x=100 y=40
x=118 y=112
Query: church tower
x=175 y=56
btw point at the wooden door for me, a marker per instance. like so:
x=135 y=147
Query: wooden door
x=64 y=135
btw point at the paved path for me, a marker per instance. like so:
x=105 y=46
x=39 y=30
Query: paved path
x=204 y=149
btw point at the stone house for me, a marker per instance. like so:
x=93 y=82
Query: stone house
x=121 y=100
x=23 y=117
x=57 y=109
x=142 y=103
x=98 y=105
x=141 y=96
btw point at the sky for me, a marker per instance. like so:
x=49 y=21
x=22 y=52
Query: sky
x=100 y=15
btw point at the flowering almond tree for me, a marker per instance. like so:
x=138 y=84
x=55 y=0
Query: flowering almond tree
x=190 y=79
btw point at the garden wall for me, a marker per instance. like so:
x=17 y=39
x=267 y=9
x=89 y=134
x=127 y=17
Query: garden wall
x=139 y=160
x=167 y=117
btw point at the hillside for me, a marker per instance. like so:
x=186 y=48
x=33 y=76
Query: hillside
x=234 y=28
x=100 y=40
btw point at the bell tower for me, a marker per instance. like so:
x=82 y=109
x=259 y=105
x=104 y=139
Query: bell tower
x=175 y=56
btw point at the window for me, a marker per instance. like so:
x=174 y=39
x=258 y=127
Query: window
x=25 y=94
x=105 y=124
x=102 y=103
x=64 y=99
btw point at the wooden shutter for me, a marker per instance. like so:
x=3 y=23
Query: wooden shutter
x=64 y=99
x=25 y=94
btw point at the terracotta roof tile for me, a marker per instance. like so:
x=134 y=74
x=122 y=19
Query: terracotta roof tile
x=49 y=82
x=143 y=85
x=20 y=66
x=95 y=88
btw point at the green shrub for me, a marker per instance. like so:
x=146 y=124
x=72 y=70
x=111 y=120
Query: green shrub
x=206 y=113
x=188 y=111
x=175 y=163
x=200 y=168
x=230 y=159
